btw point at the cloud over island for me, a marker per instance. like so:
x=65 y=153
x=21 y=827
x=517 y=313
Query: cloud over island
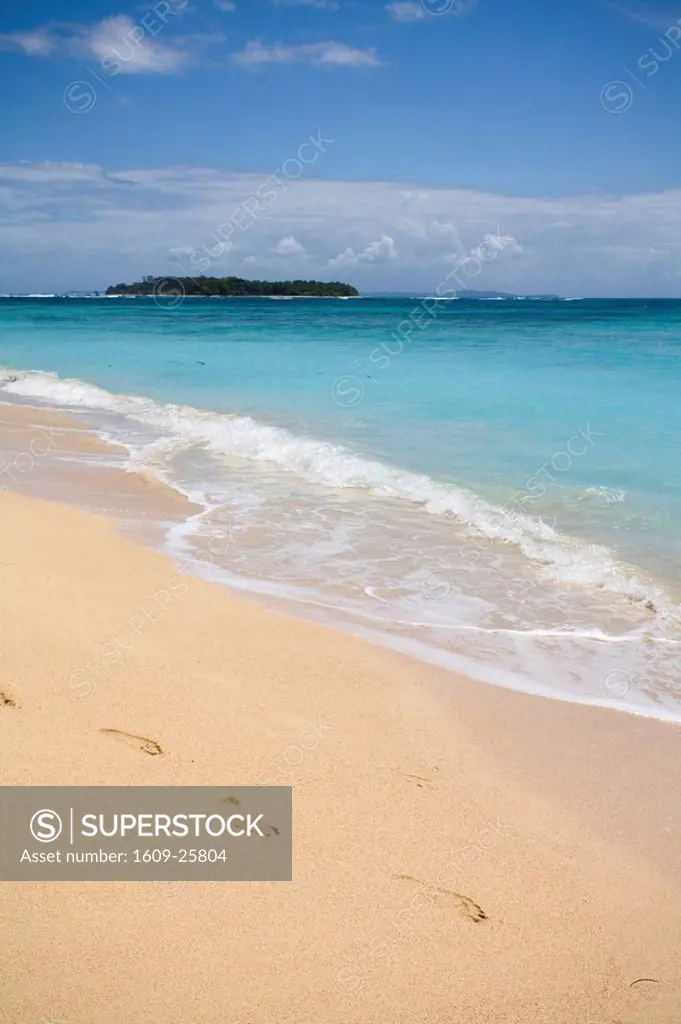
x=70 y=226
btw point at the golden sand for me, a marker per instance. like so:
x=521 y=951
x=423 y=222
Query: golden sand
x=444 y=868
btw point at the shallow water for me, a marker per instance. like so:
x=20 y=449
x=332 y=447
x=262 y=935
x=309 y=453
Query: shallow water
x=498 y=490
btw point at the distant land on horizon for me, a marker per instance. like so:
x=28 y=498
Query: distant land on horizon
x=232 y=286
x=172 y=288
x=470 y=294
x=464 y=294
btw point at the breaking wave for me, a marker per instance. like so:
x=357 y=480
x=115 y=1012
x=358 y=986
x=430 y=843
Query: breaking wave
x=561 y=558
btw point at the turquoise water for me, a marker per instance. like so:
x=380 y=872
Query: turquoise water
x=492 y=485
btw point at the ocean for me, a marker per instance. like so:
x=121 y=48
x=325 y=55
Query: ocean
x=492 y=486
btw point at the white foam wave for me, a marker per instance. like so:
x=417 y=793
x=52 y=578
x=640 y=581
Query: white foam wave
x=604 y=495
x=337 y=467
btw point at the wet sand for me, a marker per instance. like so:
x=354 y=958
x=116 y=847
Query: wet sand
x=461 y=852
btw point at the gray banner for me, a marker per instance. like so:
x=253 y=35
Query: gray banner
x=137 y=834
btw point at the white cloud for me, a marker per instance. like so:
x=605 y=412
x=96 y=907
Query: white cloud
x=407 y=10
x=39 y=42
x=52 y=173
x=506 y=243
x=116 y=44
x=289 y=246
x=77 y=226
x=225 y=5
x=330 y=54
x=180 y=252
x=375 y=252
x=119 y=44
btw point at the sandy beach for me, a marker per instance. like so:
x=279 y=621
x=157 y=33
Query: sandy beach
x=397 y=578
x=461 y=853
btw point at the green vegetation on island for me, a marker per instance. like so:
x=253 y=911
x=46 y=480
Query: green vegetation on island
x=233 y=286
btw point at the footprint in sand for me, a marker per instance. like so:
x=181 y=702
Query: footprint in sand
x=271 y=829
x=420 y=780
x=142 y=743
x=466 y=906
x=6 y=701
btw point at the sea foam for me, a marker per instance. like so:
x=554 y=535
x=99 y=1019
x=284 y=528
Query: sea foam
x=337 y=467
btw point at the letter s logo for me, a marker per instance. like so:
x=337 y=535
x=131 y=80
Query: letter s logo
x=46 y=826
x=617 y=97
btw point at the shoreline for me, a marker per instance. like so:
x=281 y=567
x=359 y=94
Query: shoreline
x=155 y=296
x=485 y=676
x=130 y=497
x=267 y=593
x=411 y=805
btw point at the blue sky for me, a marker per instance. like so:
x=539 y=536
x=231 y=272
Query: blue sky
x=131 y=134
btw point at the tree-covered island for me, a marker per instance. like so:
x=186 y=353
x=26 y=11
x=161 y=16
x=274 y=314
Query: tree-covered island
x=233 y=286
